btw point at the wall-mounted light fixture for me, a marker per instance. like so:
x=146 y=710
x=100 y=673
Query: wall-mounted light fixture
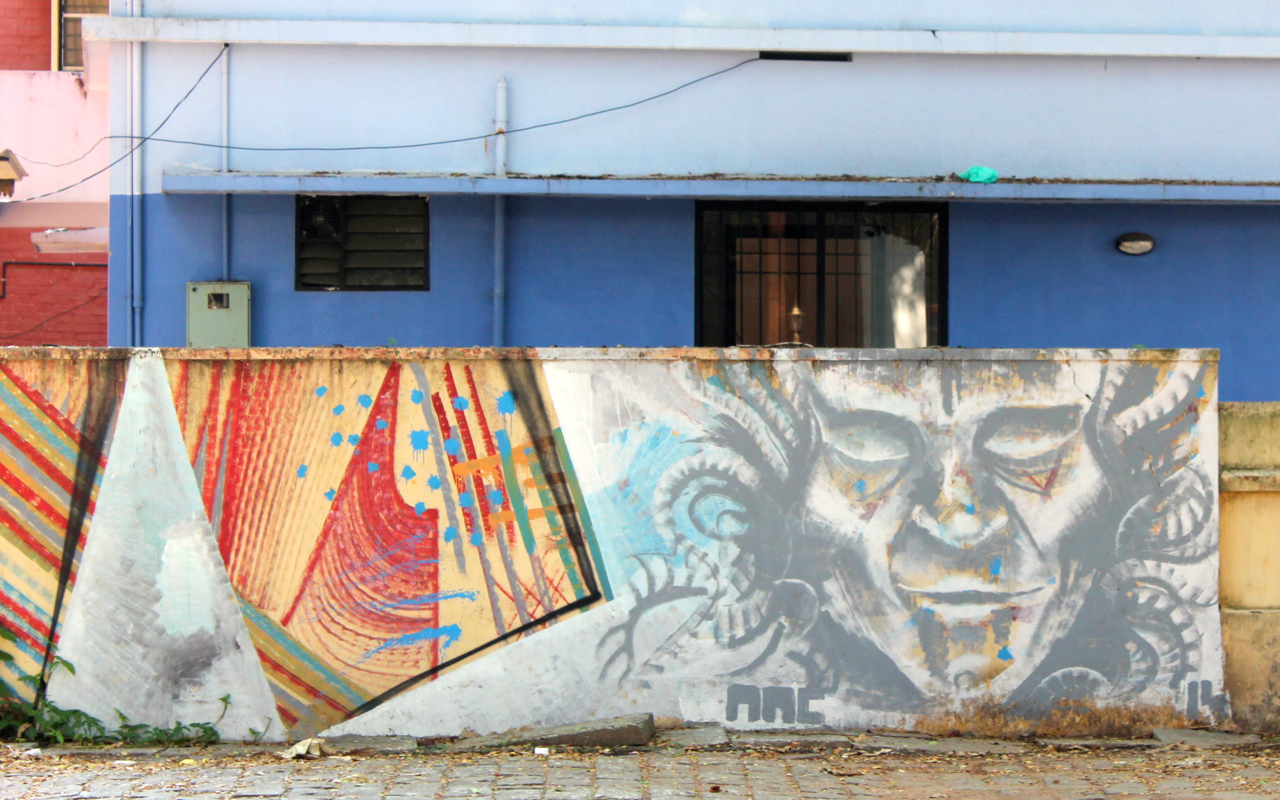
x=1135 y=244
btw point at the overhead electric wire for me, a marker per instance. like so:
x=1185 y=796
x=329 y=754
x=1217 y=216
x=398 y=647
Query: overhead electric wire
x=463 y=139
x=81 y=157
x=351 y=148
x=133 y=149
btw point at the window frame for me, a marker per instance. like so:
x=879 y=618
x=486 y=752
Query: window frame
x=298 y=285
x=941 y=209
x=60 y=16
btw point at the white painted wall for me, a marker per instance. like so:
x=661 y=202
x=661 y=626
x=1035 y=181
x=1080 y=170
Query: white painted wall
x=1249 y=17
x=883 y=115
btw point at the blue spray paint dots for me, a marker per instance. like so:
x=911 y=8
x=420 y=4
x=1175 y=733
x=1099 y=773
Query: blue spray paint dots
x=380 y=424
x=452 y=446
x=419 y=508
x=320 y=390
x=373 y=466
x=450 y=533
x=970 y=509
x=302 y=471
x=507 y=403
x=354 y=438
x=416 y=396
x=860 y=486
x=434 y=481
x=461 y=403
x=466 y=500
x=996 y=565
x=1004 y=654
x=335 y=439
x=419 y=440
x=477 y=539
x=407 y=472
x=495 y=498
x=338 y=409
x=329 y=495
x=364 y=400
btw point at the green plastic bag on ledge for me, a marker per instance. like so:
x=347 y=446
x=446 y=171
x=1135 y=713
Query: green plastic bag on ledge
x=980 y=175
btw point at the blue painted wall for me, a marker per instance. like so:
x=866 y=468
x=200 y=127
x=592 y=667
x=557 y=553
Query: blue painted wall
x=600 y=272
x=589 y=272
x=581 y=273
x=1027 y=275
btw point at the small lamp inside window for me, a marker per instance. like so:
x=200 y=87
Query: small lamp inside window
x=796 y=319
x=1135 y=244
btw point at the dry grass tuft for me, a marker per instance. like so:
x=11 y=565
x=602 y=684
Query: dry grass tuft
x=990 y=719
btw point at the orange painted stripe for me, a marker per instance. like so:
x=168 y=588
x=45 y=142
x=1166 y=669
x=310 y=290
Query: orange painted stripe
x=487 y=464
x=33 y=498
x=20 y=531
x=78 y=440
x=279 y=668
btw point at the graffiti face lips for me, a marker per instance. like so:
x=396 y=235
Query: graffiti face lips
x=965 y=600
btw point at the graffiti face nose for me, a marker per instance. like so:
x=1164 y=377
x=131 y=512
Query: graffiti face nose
x=959 y=513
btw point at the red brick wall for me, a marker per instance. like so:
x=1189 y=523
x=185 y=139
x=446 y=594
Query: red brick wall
x=25 y=34
x=51 y=305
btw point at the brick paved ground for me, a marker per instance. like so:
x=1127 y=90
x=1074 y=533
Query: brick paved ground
x=658 y=775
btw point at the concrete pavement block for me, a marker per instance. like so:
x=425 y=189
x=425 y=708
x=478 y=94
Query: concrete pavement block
x=957 y=745
x=791 y=741
x=1100 y=744
x=379 y=745
x=1206 y=739
x=702 y=736
x=630 y=731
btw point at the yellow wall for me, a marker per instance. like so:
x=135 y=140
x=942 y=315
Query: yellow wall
x=1250 y=554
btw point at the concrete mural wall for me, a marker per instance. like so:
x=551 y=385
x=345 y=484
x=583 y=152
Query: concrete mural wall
x=425 y=541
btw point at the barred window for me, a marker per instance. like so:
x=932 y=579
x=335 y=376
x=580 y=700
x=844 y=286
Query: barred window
x=68 y=36
x=828 y=275
x=362 y=243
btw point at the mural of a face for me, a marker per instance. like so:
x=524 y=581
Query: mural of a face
x=899 y=535
x=960 y=501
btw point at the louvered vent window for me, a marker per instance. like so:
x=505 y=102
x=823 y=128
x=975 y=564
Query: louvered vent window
x=362 y=243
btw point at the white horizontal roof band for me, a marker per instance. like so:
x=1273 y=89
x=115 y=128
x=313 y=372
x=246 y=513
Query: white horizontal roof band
x=449 y=34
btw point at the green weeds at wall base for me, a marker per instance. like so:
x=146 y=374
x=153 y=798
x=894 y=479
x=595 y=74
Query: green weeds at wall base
x=42 y=720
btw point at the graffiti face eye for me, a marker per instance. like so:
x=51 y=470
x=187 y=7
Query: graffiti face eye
x=1027 y=445
x=870 y=445
x=868 y=452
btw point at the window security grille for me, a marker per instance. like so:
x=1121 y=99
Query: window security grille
x=362 y=243
x=68 y=36
x=860 y=275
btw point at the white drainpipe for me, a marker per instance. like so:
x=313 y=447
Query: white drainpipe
x=500 y=220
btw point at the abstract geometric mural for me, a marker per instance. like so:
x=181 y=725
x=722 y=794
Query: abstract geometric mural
x=381 y=521
x=56 y=416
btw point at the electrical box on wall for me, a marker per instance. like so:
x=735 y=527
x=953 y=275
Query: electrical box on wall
x=218 y=314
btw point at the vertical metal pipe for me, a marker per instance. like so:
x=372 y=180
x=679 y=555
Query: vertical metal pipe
x=130 y=142
x=500 y=220
x=135 y=200
x=499 y=270
x=500 y=128
x=226 y=161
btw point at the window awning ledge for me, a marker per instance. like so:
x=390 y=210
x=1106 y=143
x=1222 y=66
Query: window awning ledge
x=708 y=188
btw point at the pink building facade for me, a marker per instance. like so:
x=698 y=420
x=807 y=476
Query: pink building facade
x=53 y=110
